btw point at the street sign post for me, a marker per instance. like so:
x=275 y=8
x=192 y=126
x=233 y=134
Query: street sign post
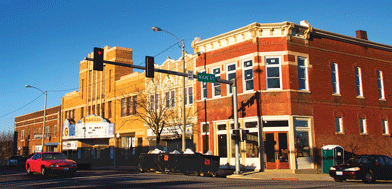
x=205 y=77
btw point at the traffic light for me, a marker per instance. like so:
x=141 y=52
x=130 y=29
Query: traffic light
x=236 y=134
x=98 y=59
x=244 y=134
x=150 y=66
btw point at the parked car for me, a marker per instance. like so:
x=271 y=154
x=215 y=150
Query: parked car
x=17 y=160
x=367 y=168
x=50 y=162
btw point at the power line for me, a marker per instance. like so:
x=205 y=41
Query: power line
x=21 y=107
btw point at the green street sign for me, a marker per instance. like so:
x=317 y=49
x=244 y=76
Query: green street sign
x=204 y=77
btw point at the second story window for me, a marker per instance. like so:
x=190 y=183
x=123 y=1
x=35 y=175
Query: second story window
x=22 y=135
x=335 y=78
x=385 y=129
x=167 y=97
x=203 y=88
x=173 y=98
x=217 y=86
x=248 y=75
x=380 y=80
x=231 y=74
x=362 y=126
x=189 y=95
x=273 y=73
x=339 y=125
x=302 y=74
x=358 y=81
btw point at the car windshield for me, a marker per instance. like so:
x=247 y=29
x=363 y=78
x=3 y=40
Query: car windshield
x=53 y=156
x=360 y=160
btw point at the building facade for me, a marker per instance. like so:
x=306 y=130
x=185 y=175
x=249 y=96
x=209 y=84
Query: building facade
x=29 y=131
x=103 y=122
x=299 y=88
x=165 y=94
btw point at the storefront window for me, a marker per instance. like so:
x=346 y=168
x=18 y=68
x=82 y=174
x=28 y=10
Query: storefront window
x=252 y=145
x=302 y=148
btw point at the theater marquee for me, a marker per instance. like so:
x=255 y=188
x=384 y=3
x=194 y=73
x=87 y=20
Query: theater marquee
x=91 y=126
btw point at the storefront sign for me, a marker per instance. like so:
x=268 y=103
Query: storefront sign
x=38 y=148
x=70 y=145
x=88 y=127
x=177 y=130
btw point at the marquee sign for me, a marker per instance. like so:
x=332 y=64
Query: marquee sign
x=91 y=126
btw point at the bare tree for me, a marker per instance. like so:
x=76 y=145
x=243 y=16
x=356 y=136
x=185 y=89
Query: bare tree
x=158 y=108
x=6 y=146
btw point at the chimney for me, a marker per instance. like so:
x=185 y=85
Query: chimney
x=361 y=34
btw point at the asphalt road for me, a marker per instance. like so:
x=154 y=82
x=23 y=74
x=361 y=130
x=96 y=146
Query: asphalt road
x=17 y=178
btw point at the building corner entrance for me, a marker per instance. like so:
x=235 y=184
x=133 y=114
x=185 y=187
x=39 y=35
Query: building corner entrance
x=276 y=148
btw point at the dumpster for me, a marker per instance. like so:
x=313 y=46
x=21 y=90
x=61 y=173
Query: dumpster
x=150 y=161
x=332 y=155
x=209 y=164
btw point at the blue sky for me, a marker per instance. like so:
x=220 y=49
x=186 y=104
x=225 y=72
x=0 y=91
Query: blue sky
x=43 y=42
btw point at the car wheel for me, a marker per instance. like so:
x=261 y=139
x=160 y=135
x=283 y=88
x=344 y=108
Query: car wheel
x=339 y=180
x=28 y=171
x=43 y=172
x=369 y=177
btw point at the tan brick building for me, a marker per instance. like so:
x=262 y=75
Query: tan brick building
x=99 y=121
x=29 y=130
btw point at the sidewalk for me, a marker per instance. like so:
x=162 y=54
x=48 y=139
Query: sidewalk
x=267 y=175
x=281 y=175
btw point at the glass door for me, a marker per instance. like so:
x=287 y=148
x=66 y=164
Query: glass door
x=276 y=150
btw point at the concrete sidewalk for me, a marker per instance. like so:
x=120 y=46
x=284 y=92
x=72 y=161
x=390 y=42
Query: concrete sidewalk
x=281 y=175
x=266 y=175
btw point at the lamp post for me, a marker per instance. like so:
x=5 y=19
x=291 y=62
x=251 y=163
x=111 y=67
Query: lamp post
x=43 y=127
x=155 y=29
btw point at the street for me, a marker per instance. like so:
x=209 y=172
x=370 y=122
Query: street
x=17 y=178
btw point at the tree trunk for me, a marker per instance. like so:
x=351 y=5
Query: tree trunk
x=158 y=140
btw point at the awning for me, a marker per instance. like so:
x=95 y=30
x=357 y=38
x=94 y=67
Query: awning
x=51 y=144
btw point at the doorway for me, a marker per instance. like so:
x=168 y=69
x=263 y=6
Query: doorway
x=276 y=150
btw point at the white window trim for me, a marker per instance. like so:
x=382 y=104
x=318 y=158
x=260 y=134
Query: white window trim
x=381 y=79
x=360 y=81
x=213 y=84
x=363 y=120
x=227 y=75
x=386 y=126
x=280 y=72
x=336 y=79
x=243 y=74
x=306 y=66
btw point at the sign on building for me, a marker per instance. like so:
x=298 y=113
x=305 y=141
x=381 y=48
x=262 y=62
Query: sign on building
x=91 y=126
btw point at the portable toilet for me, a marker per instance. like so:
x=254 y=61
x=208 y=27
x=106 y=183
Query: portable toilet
x=332 y=155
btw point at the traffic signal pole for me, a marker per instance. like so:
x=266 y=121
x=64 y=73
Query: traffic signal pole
x=235 y=112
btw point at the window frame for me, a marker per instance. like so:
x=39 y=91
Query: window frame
x=273 y=66
x=216 y=85
x=244 y=69
x=381 y=87
x=385 y=126
x=228 y=73
x=339 y=125
x=335 y=75
x=306 y=76
x=358 y=81
x=362 y=126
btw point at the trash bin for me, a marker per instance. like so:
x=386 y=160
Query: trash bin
x=209 y=164
x=150 y=161
x=332 y=155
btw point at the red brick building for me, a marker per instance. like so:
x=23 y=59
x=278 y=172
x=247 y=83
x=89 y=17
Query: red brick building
x=299 y=88
x=29 y=131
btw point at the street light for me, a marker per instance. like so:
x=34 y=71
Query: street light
x=43 y=127
x=155 y=29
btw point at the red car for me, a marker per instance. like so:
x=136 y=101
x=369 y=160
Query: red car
x=50 y=162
